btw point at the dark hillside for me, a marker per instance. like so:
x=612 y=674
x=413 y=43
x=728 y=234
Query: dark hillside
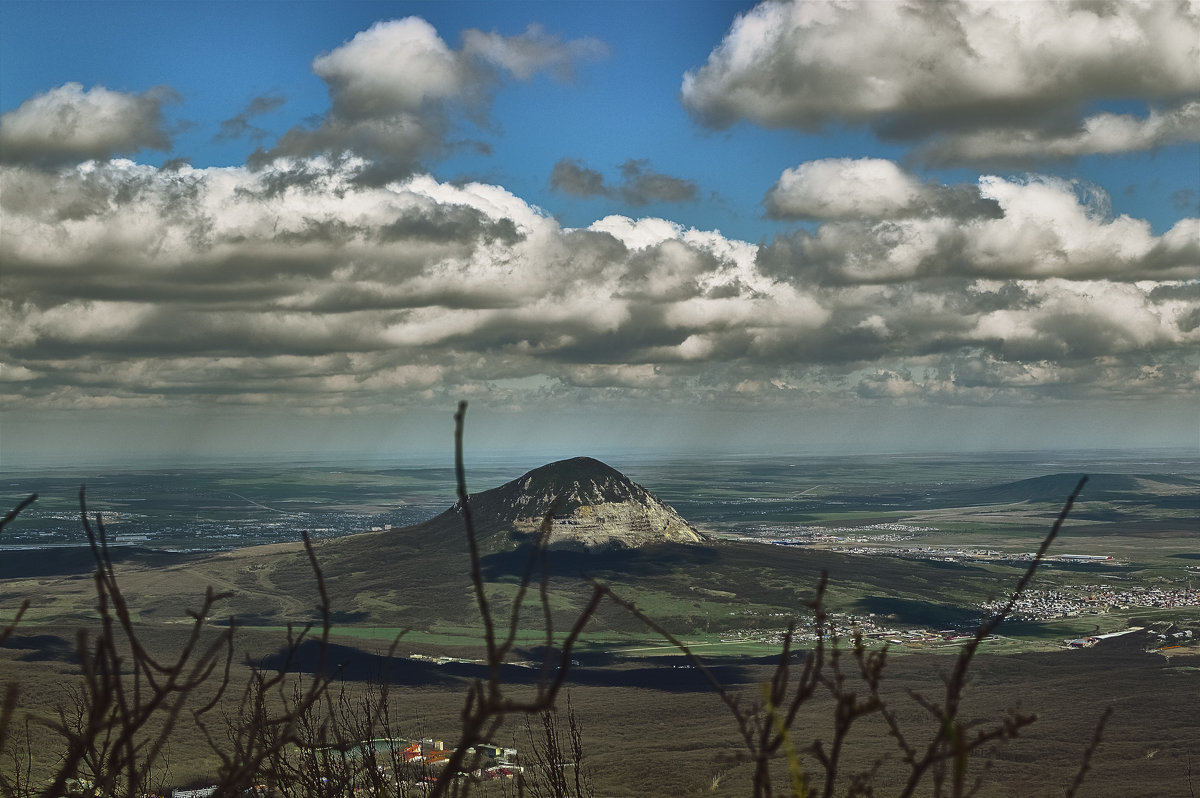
x=78 y=560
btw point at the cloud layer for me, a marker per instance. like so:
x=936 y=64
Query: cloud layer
x=299 y=285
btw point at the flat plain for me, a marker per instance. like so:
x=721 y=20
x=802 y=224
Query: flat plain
x=916 y=550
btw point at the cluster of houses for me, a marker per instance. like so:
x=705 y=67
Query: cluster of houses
x=400 y=762
x=845 y=626
x=1170 y=641
x=1062 y=602
x=1035 y=605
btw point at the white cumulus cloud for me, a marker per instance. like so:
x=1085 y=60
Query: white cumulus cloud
x=392 y=67
x=1042 y=227
x=841 y=188
x=1099 y=134
x=911 y=69
x=69 y=124
x=394 y=86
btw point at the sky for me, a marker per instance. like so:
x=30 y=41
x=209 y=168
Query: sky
x=272 y=229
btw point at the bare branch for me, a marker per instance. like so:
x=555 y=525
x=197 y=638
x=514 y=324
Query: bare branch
x=1085 y=764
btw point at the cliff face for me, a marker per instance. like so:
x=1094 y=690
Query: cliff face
x=591 y=504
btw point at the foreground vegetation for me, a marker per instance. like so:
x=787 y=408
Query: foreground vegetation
x=134 y=702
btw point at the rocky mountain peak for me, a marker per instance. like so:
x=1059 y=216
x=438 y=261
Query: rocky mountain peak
x=590 y=504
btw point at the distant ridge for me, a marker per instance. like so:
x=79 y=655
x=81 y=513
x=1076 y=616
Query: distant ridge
x=592 y=503
x=1054 y=488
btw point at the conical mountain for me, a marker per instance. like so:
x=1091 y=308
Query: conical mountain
x=590 y=504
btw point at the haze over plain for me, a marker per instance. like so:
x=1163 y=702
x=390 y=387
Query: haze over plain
x=266 y=229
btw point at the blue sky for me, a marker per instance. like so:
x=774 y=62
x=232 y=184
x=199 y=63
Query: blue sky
x=271 y=227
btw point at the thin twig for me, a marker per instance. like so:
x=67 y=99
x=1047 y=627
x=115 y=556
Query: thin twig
x=1097 y=738
x=14 y=512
